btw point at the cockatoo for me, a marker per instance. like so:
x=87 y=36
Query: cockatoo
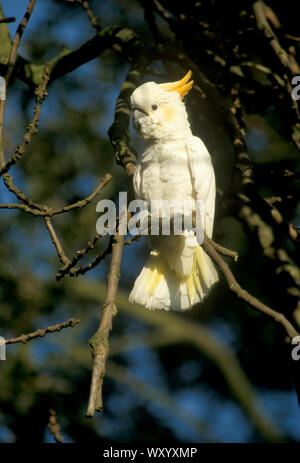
x=174 y=166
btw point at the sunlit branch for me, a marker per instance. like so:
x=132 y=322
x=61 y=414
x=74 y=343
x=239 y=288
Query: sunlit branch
x=99 y=342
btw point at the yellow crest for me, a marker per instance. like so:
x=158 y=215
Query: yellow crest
x=181 y=86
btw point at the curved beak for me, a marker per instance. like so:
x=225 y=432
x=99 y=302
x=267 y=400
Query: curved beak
x=139 y=111
x=137 y=115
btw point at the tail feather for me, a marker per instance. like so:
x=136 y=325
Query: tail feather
x=158 y=287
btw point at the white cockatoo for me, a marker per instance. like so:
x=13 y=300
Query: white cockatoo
x=174 y=166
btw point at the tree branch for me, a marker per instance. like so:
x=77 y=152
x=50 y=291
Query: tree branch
x=222 y=250
x=84 y=202
x=75 y=271
x=119 y=131
x=41 y=333
x=93 y=19
x=41 y=210
x=247 y=297
x=68 y=60
x=99 y=342
x=79 y=254
x=60 y=252
x=32 y=128
x=16 y=42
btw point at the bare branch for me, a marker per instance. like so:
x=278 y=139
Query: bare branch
x=84 y=202
x=94 y=20
x=99 y=342
x=16 y=42
x=247 y=297
x=41 y=210
x=32 y=128
x=79 y=254
x=62 y=256
x=24 y=208
x=85 y=5
x=42 y=332
x=222 y=250
x=74 y=272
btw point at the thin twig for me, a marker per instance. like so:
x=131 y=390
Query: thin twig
x=94 y=20
x=30 y=205
x=25 y=208
x=42 y=332
x=41 y=210
x=60 y=252
x=79 y=255
x=222 y=250
x=74 y=272
x=83 y=202
x=32 y=128
x=16 y=42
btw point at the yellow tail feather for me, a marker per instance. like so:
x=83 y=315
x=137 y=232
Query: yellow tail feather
x=158 y=287
x=199 y=254
x=190 y=287
x=197 y=283
x=156 y=274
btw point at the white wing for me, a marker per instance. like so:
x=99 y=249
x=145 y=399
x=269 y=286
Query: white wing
x=203 y=178
x=137 y=181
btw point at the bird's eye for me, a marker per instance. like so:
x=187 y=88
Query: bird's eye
x=154 y=107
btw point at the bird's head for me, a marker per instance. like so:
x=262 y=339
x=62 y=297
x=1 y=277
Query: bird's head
x=158 y=109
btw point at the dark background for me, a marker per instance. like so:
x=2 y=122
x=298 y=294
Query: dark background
x=157 y=385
